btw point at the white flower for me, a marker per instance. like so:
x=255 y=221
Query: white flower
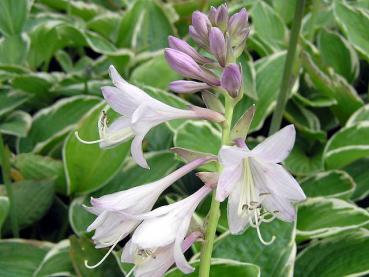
x=118 y=214
x=139 y=113
x=259 y=188
x=154 y=263
x=167 y=226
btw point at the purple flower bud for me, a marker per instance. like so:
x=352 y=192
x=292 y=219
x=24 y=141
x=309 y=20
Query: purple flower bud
x=217 y=45
x=213 y=15
x=187 y=86
x=222 y=17
x=238 y=27
x=186 y=66
x=201 y=24
x=197 y=38
x=232 y=79
x=184 y=47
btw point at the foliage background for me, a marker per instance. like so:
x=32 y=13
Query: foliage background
x=54 y=56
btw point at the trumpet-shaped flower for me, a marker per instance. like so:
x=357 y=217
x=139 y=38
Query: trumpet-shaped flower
x=116 y=212
x=259 y=188
x=167 y=226
x=139 y=113
x=154 y=263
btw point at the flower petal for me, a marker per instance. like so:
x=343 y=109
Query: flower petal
x=120 y=101
x=228 y=178
x=128 y=253
x=179 y=257
x=277 y=147
x=232 y=155
x=237 y=223
x=119 y=131
x=137 y=152
x=286 y=211
x=115 y=77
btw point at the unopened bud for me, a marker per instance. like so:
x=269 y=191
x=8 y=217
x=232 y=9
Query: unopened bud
x=183 y=86
x=232 y=80
x=238 y=27
x=184 y=47
x=201 y=24
x=217 y=45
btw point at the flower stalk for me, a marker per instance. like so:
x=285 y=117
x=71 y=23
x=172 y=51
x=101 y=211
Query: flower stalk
x=286 y=86
x=5 y=170
x=214 y=212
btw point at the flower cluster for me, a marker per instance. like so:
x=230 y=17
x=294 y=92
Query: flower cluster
x=222 y=39
x=258 y=188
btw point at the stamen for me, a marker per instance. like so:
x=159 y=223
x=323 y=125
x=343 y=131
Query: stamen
x=86 y=141
x=259 y=233
x=103 y=258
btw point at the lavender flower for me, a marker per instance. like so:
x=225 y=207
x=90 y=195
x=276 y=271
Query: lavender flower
x=184 y=47
x=238 y=27
x=217 y=45
x=201 y=25
x=187 y=86
x=232 y=80
x=219 y=17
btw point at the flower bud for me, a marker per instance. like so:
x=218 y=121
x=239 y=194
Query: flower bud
x=201 y=24
x=238 y=27
x=217 y=45
x=184 y=47
x=186 y=66
x=197 y=38
x=183 y=86
x=213 y=15
x=222 y=17
x=232 y=79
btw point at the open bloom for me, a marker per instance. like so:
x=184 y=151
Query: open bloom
x=259 y=188
x=167 y=226
x=154 y=263
x=139 y=113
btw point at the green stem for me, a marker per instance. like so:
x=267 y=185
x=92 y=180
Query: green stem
x=288 y=66
x=5 y=168
x=214 y=213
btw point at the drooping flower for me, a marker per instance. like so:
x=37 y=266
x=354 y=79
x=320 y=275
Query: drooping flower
x=259 y=188
x=167 y=226
x=139 y=113
x=154 y=263
x=116 y=212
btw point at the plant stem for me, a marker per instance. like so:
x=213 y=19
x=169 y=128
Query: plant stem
x=214 y=213
x=5 y=169
x=288 y=66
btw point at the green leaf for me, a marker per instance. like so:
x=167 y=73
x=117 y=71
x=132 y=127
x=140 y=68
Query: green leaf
x=249 y=75
x=332 y=184
x=334 y=86
x=87 y=166
x=20 y=258
x=248 y=248
x=347 y=145
x=32 y=166
x=155 y=72
x=337 y=53
x=57 y=262
x=220 y=268
x=360 y=115
x=106 y=25
x=82 y=249
x=286 y=9
x=322 y=217
x=145 y=27
x=17 y=124
x=13 y=49
x=200 y=136
x=79 y=217
x=358 y=170
x=161 y=164
x=13 y=15
x=11 y=100
x=33 y=199
x=268 y=26
x=4 y=208
x=343 y=255
x=53 y=123
x=355 y=24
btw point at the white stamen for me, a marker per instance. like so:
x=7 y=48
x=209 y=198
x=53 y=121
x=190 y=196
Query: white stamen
x=86 y=141
x=259 y=233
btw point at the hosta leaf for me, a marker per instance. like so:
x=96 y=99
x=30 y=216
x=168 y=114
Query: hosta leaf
x=13 y=15
x=222 y=267
x=358 y=170
x=79 y=217
x=343 y=255
x=282 y=251
x=17 y=124
x=32 y=200
x=13 y=49
x=32 y=166
x=355 y=23
x=249 y=75
x=55 y=122
x=87 y=166
x=57 y=262
x=360 y=115
x=20 y=258
x=321 y=217
x=334 y=183
x=286 y=9
x=4 y=208
x=337 y=53
x=145 y=27
x=11 y=100
x=347 y=145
